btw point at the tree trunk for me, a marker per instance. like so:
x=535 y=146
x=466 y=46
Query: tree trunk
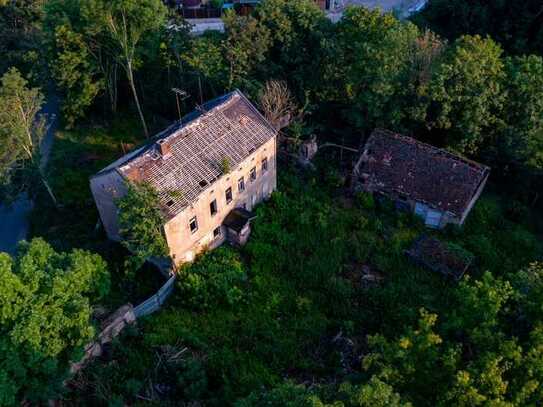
x=130 y=75
x=49 y=190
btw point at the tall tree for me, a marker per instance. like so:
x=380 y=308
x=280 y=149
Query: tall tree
x=374 y=55
x=522 y=140
x=45 y=317
x=21 y=132
x=128 y=22
x=244 y=48
x=468 y=94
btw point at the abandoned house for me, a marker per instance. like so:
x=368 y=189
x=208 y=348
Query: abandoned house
x=433 y=183
x=210 y=170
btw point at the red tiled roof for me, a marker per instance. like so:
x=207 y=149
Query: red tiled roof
x=402 y=165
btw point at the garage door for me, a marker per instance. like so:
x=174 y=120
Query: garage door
x=421 y=210
x=433 y=218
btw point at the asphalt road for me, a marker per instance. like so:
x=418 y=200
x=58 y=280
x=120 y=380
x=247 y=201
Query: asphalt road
x=14 y=218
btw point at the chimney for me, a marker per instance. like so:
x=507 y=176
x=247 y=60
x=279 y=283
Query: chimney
x=164 y=148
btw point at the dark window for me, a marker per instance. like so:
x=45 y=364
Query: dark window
x=241 y=184
x=213 y=207
x=216 y=232
x=252 y=175
x=170 y=202
x=228 y=195
x=193 y=225
x=265 y=164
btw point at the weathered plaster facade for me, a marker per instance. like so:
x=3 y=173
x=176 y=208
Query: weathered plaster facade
x=218 y=158
x=184 y=244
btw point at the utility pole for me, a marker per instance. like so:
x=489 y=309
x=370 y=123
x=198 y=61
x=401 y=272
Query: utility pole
x=180 y=93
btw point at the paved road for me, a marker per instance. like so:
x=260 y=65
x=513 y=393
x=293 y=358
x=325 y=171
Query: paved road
x=14 y=218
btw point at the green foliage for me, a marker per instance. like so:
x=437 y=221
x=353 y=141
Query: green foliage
x=21 y=39
x=45 y=316
x=225 y=165
x=365 y=200
x=523 y=135
x=141 y=223
x=75 y=73
x=244 y=48
x=21 y=132
x=216 y=279
x=375 y=54
x=468 y=90
x=519 y=31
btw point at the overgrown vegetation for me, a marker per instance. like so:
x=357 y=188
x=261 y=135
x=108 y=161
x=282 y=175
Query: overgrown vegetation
x=322 y=306
x=141 y=224
x=305 y=312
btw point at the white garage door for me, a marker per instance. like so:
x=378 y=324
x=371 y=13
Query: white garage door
x=421 y=210
x=433 y=218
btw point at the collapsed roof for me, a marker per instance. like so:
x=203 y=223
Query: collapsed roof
x=403 y=166
x=188 y=157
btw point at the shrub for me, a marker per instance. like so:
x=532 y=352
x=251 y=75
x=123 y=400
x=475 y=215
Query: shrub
x=215 y=278
x=365 y=200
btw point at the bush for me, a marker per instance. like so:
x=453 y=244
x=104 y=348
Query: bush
x=215 y=278
x=365 y=200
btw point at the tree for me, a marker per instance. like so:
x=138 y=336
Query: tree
x=21 y=133
x=374 y=393
x=418 y=363
x=277 y=103
x=75 y=73
x=128 y=22
x=20 y=37
x=522 y=139
x=299 y=35
x=468 y=94
x=374 y=53
x=45 y=317
x=141 y=223
x=244 y=48
x=520 y=22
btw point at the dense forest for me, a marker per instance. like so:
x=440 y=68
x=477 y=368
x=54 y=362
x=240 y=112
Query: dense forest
x=286 y=320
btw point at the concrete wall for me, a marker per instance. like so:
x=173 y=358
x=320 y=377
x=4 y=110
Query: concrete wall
x=184 y=244
x=105 y=189
x=474 y=200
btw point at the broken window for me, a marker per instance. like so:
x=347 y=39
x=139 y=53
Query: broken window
x=265 y=164
x=193 y=224
x=252 y=175
x=241 y=184
x=216 y=232
x=228 y=195
x=213 y=207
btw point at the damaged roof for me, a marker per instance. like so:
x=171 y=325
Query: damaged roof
x=402 y=165
x=188 y=157
x=446 y=258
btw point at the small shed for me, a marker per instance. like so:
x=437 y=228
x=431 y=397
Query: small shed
x=446 y=258
x=238 y=226
x=435 y=184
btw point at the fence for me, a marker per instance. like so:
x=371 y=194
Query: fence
x=117 y=321
x=155 y=302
